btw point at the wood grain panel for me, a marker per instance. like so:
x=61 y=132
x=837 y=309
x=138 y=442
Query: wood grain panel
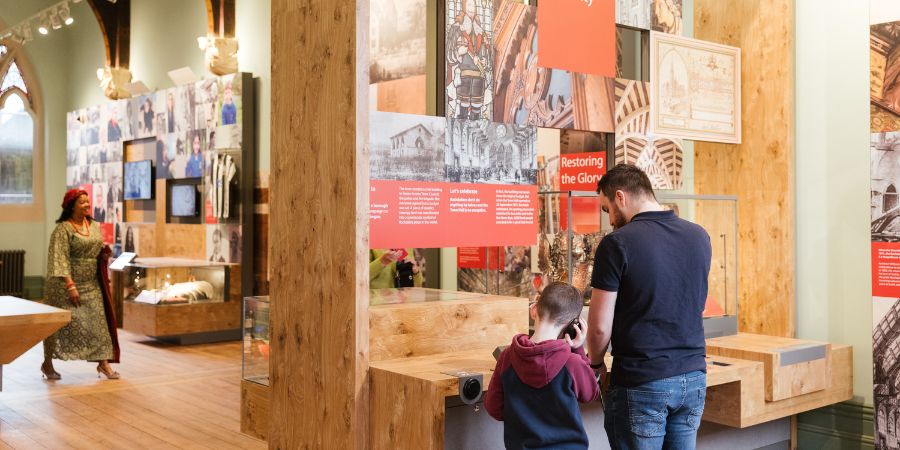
x=319 y=225
x=173 y=320
x=255 y=409
x=406 y=412
x=760 y=171
x=782 y=382
x=24 y=323
x=742 y=403
x=420 y=329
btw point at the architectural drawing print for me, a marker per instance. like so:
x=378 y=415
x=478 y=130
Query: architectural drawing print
x=696 y=92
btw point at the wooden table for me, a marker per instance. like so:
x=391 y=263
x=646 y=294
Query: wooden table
x=24 y=323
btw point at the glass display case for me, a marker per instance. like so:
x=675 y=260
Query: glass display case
x=169 y=281
x=571 y=227
x=255 y=325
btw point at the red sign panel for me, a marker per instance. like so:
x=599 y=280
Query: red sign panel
x=491 y=258
x=578 y=35
x=886 y=269
x=432 y=215
x=581 y=172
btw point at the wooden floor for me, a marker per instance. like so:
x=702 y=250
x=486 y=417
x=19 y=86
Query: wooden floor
x=169 y=397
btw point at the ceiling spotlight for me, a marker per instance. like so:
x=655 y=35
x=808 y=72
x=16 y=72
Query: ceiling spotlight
x=65 y=14
x=44 y=26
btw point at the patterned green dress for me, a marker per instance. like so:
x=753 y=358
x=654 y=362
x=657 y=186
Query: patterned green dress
x=73 y=255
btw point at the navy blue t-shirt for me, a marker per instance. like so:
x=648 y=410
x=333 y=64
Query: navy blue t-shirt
x=659 y=265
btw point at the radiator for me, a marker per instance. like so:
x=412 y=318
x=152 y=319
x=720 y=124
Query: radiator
x=12 y=272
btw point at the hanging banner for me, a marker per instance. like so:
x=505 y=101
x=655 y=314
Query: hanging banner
x=885 y=228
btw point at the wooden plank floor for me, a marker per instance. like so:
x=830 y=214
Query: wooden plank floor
x=169 y=397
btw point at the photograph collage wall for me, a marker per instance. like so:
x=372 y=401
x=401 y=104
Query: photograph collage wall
x=192 y=127
x=884 y=158
x=508 y=117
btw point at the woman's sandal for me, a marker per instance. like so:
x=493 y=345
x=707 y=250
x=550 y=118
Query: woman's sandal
x=52 y=375
x=111 y=375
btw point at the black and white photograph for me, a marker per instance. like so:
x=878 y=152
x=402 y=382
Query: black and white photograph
x=123 y=119
x=481 y=151
x=406 y=147
x=223 y=243
x=176 y=155
x=73 y=131
x=885 y=198
x=138 y=180
x=98 y=204
x=145 y=114
x=90 y=130
x=206 y=99
x=185 y=108
x=885 y=338
x=130 y=239
x=112 y=122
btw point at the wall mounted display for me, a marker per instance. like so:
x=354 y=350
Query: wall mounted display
x=659 y=156
x=667 y=17
x=696 y=89
x=634 y=13
x=407 y=147
x=495 y=270
x=525 y=93
x=397 y=55
x=572 y=29
x=139 y=180
x=469 y=59
x=884 y=203
x=183 y=201
x=488 y=152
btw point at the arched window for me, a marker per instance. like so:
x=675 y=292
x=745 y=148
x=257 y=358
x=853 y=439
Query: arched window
x=20 y=139
x=890 y=198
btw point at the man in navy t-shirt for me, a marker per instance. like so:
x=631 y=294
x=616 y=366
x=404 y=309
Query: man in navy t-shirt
x=649 y=290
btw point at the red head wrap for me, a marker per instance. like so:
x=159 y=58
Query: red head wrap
x=71 y=196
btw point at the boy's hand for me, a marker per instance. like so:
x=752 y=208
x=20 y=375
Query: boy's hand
x=580 y=327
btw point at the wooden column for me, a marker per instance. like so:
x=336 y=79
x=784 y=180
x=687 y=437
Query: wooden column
x=760 y=171
x=319 y=225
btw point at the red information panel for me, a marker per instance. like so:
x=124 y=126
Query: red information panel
x=886 y=269
x=491 y=258
x=578 y=35
x=433 y=215
x=108 y=232
x=581 y=172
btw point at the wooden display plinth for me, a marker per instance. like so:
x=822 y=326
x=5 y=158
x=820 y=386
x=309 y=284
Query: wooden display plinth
x=186 y=323
x=792 y=366
x=736 y=394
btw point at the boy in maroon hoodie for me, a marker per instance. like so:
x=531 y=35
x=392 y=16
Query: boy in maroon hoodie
x=539 y=381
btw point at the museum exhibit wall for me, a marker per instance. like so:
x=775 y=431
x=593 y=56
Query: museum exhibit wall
x=66 y=62
x=832 y=189
x=48 y=61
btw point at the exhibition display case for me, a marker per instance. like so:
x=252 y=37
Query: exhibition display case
x=255 y=326
x=181 y=300
x=166 y=281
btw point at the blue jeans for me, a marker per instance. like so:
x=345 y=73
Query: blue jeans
x=660 y=414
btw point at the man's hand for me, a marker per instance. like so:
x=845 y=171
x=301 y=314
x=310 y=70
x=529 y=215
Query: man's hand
x=580 y=335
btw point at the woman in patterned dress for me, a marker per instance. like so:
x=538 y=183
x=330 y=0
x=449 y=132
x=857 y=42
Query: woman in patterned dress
x=72 y=284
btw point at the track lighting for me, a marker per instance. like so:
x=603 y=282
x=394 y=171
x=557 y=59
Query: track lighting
x=54 y=20
x=65 y=14
x=44 y=25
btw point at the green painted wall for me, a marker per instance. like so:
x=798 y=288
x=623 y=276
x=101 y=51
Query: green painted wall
x=834 y=301
x=163 y=37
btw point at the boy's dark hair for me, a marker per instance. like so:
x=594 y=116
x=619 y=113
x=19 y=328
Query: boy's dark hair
x=626 y=178
x=560 y=303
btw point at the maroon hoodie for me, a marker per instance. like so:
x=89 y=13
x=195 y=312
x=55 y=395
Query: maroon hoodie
x=535 y=390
